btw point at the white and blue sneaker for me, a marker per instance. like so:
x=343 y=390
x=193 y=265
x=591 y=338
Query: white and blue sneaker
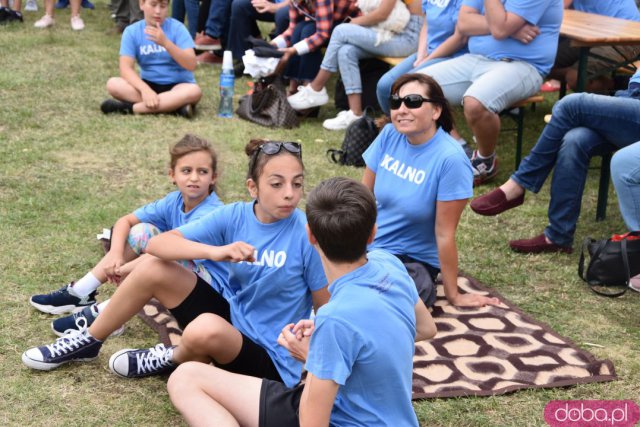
x=138 y=363
x=67 y=324
x=77 y=346
x=62 y=301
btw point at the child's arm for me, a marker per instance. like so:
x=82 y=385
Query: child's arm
x=128 y=72
x=451 y=45
x=123 y=271
x=320 y=297
x=115 y=257
x=425 y=326
x=186 y=58
x=295 y=338
x=316 y=401
x=172 y=246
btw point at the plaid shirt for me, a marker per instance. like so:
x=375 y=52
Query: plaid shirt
x=326 y=13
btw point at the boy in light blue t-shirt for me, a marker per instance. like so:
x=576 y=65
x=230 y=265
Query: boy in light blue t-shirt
x=359 y=351
x=163 y=49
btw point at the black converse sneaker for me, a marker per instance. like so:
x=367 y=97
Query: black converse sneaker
x=67 y=324
x=114 y=106
x=62 y=301
x=74 y=347
x=137 y=363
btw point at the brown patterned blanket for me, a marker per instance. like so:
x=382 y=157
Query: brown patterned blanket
x=477 y=352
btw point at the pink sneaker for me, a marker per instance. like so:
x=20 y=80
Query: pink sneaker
x=45 y=22
x=77 y=24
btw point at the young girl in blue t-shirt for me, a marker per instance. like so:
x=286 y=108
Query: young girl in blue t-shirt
x=265 y=274
x=193 y=169
x=422 y=180
x=163 y=49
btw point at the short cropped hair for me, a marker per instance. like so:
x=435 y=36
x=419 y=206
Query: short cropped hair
x=341 y=214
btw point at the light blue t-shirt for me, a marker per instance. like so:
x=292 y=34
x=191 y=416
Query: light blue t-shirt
x=275 y=289
x=156 y=65
x=410 y=179
x=625 y=9
x=442 y=16
x=168 y=213
x=541 y=52
x=364 y=341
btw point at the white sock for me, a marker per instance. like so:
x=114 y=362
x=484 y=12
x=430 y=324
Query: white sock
x=462 y=142
x=86 y=285
x=490 y=156
x=102 y=305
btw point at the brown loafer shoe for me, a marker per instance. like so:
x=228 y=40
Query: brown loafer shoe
x=494 y=202
x=537 y=245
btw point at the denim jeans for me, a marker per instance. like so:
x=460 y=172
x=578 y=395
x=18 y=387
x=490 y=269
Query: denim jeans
x=192 y=8
x=303 y=67
x=218 y=20
x=625 y=173
x=350 y=43
x=383 y=89
x=582 y=125
x=243 y=24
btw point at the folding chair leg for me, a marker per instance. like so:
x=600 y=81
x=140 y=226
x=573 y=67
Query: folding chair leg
x=603 y=189
x=519 y=136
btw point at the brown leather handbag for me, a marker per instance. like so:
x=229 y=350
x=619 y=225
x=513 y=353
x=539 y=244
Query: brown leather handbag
x=268 y=105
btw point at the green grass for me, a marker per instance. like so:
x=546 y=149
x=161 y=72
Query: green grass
x=67 y=171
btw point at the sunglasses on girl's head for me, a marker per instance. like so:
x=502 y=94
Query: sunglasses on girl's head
x=410 y=101
x=272 y=148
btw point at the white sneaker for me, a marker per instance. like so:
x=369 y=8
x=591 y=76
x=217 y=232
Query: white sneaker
x=31 y=6
x=341 y=121
x=77 y=24
x=308 y=98
x=44 y=22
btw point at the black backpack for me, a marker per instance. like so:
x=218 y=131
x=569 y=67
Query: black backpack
x=357 y=138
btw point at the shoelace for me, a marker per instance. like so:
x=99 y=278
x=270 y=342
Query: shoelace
x=72 y=341
x=154 y=359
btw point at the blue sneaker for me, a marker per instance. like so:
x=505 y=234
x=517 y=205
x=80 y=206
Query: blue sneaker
x=74 y=347
x=62 y=4
x=86 y=4
x=135 y=363
x=62 y=301
x=67 y=324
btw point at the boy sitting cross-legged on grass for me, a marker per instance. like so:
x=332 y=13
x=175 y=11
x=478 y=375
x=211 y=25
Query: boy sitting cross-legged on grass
x=163 y=49
x=359 y=351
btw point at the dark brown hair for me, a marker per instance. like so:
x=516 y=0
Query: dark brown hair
x=257 y=159
x=341 y=213
x=434 y=92
x=191 y=144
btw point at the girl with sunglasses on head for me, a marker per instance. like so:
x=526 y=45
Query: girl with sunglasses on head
x=265 y=275
x=422 y=180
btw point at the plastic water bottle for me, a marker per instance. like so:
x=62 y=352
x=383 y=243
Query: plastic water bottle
x=227 y=80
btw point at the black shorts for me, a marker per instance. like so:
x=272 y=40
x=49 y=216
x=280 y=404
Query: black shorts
x=160 y=88
x=202 y=299
x=424 y=276
x=252 y=360
x=279 y=405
